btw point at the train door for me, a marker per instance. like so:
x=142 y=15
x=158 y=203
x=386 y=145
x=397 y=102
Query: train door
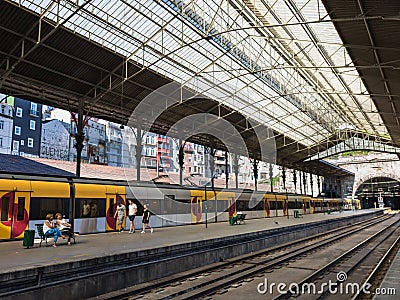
x=14 y=214
x=267 y=211
x=306 y=205
x=197 y=202
x=196 y=208
x=111 y=205
x=231 y=206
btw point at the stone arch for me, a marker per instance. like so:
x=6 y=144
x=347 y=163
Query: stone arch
x=359 y=181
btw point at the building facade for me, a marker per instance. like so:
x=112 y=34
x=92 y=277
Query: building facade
x=27 y=130
x=6 y=127
x=55 y=140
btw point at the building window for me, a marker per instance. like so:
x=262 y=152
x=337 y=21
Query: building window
x=34 y=111
x=17 y=130
x=18 y=112
x=1 y=125
x=32 y=124
x=15 y=145
x=22 y=142
x=30 y=143
x=1 y=142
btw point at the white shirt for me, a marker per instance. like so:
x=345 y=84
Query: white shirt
x=61 y=226
x=132 y=209
x=120 y=210
x=45 y=227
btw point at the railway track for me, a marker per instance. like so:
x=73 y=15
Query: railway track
x=210 y=279
x=347 y=273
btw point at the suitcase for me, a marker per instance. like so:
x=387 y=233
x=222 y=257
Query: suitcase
x=29 y=236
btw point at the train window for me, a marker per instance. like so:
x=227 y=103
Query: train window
x=92 y=208
x=222 y=205
x=296 y=204
x=241 y=205
x=154 y=206
x=258 y=206
x=5 y=205
x=307 y=204
x=21 y=209
x=211 y=206
x=111 y=208
x=40 y=207
x=169 y=207
x=279 y=204
x=177 y=207
x=272 y=205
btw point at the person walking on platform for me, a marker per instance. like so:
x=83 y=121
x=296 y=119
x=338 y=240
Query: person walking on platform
x=49 y=229
x=146 y=219
x=120 y=213
x=132 y=210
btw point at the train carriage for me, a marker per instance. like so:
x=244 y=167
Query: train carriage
x=294 y=202
x=306 y=204
x=251 y=203
x=25 y=201
x=276 y=204
x=317 y=204
x=170 y=205
x=95 y=206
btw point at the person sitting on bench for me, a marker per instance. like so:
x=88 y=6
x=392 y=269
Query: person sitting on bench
x=64 y=227
x=50 y=229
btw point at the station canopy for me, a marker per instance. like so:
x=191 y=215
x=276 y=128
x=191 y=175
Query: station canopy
x=282 y=64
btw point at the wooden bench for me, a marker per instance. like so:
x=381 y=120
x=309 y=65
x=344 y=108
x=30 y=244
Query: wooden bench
x=44 y=237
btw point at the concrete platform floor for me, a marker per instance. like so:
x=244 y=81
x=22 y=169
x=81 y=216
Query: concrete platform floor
x=13 y=256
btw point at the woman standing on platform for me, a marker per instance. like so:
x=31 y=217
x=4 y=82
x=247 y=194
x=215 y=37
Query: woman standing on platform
x=120 y=213
x=49 y=228
x=146 y=219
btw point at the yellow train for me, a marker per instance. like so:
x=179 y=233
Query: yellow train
x=90 y=204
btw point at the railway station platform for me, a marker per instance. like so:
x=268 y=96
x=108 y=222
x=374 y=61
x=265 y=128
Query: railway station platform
x=390 y=285
x=142 y=257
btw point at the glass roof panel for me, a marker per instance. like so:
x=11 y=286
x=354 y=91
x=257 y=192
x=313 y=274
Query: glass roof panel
x=284 y=65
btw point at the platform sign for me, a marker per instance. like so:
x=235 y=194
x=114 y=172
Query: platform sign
x=380 y=201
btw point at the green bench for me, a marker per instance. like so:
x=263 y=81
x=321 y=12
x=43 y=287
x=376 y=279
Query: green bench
x=241 y=218
x=297 y=214
x=328 y=212
x=238 y=219
x=43 y=237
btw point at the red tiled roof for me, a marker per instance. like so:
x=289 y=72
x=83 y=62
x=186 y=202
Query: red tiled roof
x=94 y=171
